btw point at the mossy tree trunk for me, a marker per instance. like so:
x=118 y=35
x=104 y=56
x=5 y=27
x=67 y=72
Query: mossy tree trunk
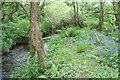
x=36 y=42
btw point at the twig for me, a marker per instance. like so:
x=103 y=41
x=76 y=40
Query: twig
x=97 y=38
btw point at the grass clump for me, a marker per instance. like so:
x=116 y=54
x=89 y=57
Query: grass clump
x=81 y=47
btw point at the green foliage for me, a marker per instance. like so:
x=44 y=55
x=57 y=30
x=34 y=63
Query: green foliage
x=108 y=28
x=64 y=61
x=95 y=57
x=69 y=32
x=46 y=26
x=81 y=47
x=91 y=22
x=58 y=11
x=98 y=56
x=31 y=69
x=104 y=73
x=114 y=35
x=24 y=25
x=12 y=32
x=8 y=36
x=54 y=70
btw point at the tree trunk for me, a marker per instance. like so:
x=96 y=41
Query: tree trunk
x=77 y=21
x=77 y=9
x=119 y=16
x=101 y=18
x=115 y=9
x=36 y=41
x=75 y=17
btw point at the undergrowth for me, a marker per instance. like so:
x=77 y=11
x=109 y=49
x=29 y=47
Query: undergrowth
x=77 y=55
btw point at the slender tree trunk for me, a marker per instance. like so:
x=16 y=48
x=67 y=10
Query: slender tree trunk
x=101 y=18
x=3 y=15
x=115 y=9
x=36 y=41
x=75 y=17
x=1 y=12
x=119 y=16
x=77 y=9
x=77 y=20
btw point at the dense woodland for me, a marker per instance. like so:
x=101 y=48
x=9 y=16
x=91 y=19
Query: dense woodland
x=63 y=39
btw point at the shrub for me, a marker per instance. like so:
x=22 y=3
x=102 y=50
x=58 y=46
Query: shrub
x=58 y=11
x=81 y=47
x=24 y=24
x=12 y=32
x=46 y=26
x=69 y=32
x=91 y=22
x=8 y=36
x=107 y=28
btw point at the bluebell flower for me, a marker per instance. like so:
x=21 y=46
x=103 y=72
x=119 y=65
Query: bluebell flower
x=102 y=53
x=94 y=40
x=108 y=41
x=2 y=36
x=93 y=36
x=109 y=52
x=97 y=32
x=107 y=46
x=106 y=36
x=101 y=47
x=115 y=43
x=113 y=50
x=81 y=41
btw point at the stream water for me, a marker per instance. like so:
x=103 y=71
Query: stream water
x=15 y=58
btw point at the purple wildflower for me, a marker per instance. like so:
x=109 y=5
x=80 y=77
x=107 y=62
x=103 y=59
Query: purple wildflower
x=107 y=46
x=101 y=47
x=2 y=36
x=109 y=52
x=93 y=36
x=108 y=41
x=113 y=50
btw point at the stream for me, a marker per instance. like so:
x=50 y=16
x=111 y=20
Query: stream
x=16 y=57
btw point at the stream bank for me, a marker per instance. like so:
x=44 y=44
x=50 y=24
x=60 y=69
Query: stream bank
x=18 y=56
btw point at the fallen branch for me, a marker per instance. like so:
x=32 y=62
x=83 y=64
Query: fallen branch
x=97 y=38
